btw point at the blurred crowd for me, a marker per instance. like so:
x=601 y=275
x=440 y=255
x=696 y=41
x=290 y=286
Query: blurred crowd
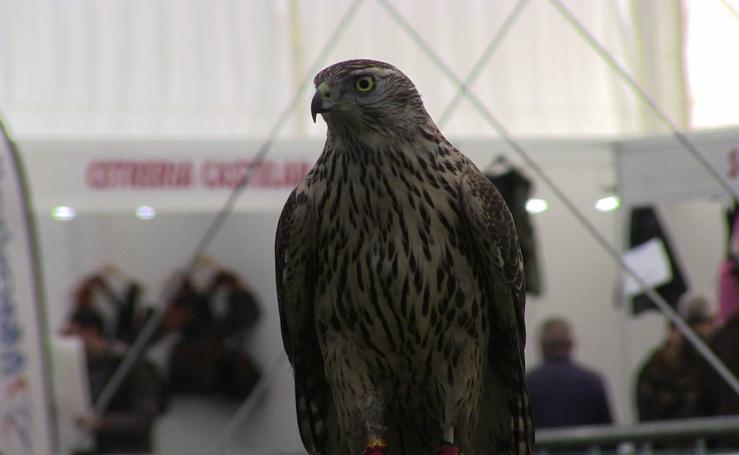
x=674 y=382
x=199 y=347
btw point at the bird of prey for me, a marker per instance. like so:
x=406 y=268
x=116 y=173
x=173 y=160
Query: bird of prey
x=400 y=284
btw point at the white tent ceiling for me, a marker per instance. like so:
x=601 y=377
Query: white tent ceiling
x=228 y=68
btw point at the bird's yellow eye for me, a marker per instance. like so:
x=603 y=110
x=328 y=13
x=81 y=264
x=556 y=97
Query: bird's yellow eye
x=365 y=84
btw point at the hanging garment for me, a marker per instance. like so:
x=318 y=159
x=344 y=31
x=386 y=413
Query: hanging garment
x=515 y=189
x=213 y=311
x=117 y=298
x=645 y=225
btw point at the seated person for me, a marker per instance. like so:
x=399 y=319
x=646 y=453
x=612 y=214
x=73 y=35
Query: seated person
x=126 y=425
x=563 y=393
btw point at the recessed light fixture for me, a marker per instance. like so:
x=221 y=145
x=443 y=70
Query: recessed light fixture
x=536 y=205
x=145 y=212
x=63 y=213
x=608 y=203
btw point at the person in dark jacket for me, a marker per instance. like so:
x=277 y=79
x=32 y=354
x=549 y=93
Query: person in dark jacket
x=126 y=425
x=563 y=393
x=721 y=397
x=670 y=381
x=717 y=397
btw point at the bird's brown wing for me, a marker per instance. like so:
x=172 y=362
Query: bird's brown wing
x=505 y=422
x=296 y=277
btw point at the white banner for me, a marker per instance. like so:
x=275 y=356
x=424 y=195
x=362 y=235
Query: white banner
x=25 y=426
x=660 y=169
x=168 y=175
x=103 y=176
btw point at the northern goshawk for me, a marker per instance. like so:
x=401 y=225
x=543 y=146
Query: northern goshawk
x=400 y=284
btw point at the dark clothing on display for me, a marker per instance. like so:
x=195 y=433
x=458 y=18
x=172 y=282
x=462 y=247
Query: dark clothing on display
x=210 y=357
x=126 y=425
x=515 y=190
x=565 y=394
x=644 y=226
x=119 y=308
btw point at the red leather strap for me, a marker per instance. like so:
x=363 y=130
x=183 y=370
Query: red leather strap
x=375 y=451
x=448 y=450
x=376 y=447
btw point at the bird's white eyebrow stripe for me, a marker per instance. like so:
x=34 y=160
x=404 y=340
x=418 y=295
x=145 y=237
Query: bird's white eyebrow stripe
x=372 y=69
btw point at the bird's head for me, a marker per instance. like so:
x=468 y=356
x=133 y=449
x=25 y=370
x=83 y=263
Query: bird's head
x=366 y=95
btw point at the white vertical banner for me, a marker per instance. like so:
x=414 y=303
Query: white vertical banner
x=25 y=418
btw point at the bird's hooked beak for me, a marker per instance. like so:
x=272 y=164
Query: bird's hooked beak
x=321 y=100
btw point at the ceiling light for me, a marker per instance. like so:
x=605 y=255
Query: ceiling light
x=63 y=213
x=145 y=212
x=536 y=205
x=608 y=203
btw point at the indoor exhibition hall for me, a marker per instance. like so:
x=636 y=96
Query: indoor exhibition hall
x=369 y=227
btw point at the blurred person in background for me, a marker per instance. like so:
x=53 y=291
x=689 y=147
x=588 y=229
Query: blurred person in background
x=563 y=393
x=670 y=382
x=717 y=397
x=721 y=398
x=126 y=424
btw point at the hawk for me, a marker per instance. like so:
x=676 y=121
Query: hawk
x=400 y=283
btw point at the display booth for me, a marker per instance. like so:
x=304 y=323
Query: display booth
x=144 y=205
x=88 y=198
